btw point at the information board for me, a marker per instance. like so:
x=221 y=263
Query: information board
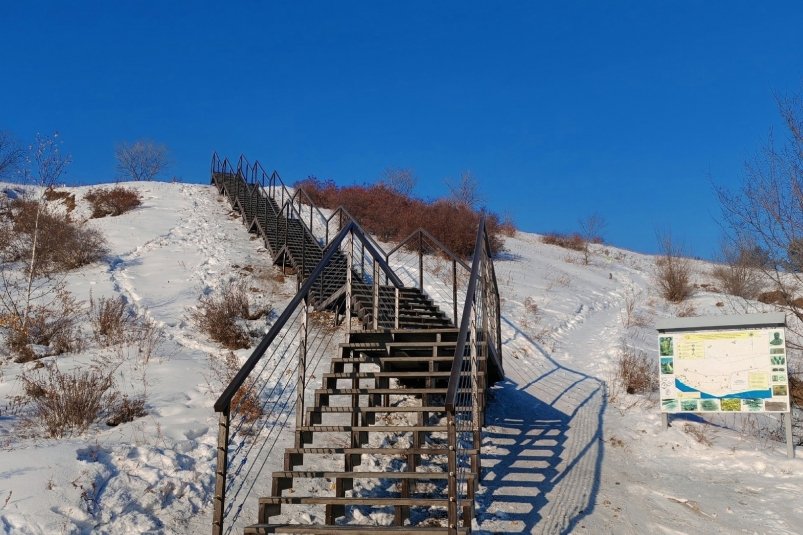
x=729 y=370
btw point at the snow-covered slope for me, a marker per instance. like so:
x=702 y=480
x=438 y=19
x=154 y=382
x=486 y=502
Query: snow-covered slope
x=565 y=450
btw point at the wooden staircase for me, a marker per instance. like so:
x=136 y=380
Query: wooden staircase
x=376 y=450
x=382 y=404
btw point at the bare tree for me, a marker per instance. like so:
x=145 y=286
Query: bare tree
x=466 y=191
x=141 y=160
x=399 y=180
x=591 y=228
x=11 y=155
x=25 y=280
x=767 y=210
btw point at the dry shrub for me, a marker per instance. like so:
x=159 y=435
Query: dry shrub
x=740 y=274
x=700 y=432
x=685 y=310
x=67 y=198
x=245 y=404
x=113 y=201
x=54 y=325
x=218 y=316
x=575 y=242
x=392 y=216
x=61 y=244
x=67 y=402
x=126 y=410
x=636 y=371
x=147 y=335
x=673 y=273
x=108 y=319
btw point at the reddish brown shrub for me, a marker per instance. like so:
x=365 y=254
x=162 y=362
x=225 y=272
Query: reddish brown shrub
x=574 y=242
x=113 y=201
x=392 y=216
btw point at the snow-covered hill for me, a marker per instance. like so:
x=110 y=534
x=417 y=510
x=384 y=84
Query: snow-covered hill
x=566 y=450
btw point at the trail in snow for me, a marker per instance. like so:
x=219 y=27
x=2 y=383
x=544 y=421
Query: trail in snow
x=543 y=453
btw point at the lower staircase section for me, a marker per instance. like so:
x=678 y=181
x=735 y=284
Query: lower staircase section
x=372 y=453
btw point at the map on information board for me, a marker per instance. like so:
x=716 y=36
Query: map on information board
x=738 y=370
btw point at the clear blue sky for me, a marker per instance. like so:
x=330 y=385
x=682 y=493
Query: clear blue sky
x=559 y=109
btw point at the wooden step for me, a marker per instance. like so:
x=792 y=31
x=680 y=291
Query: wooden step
x=313 y=474
x=321 y=529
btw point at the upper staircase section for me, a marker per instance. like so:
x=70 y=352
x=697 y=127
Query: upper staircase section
x=296 y=234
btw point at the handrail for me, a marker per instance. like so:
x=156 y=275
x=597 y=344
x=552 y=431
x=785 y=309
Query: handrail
x=436 y=241
x=462 y=337
x=225 y=398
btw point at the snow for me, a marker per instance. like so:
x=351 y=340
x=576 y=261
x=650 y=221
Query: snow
x=565 y=450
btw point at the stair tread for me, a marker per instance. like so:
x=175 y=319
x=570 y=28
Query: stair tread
x=300 y=474
x=325 y=529
x=374 y=428
x=348 y=500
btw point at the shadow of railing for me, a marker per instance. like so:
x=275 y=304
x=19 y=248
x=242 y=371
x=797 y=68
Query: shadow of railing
x=542 y=445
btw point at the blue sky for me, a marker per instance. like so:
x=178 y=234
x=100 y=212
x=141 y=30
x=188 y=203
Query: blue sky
x=559 y=109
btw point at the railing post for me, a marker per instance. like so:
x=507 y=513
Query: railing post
x=476 y=417
x=396 y=320
x=302 y=365
x=376 y=293
x=220 y=472
x=451 y=426
x=454 y=289
x=421 y=261
x=349 y=262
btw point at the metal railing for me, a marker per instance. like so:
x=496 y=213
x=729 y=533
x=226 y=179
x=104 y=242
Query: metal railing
x=422 y=261
x=256 y=407
x=478 y=342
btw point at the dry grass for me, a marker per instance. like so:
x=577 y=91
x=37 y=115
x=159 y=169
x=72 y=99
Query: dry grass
x=67 y=402
x=636 y=372
x=113 y=201
x=218 y=316
x=109 y=320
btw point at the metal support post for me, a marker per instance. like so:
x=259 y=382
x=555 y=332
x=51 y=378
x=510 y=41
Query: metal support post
x=302 y=365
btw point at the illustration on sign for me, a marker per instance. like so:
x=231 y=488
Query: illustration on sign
x=727 y=370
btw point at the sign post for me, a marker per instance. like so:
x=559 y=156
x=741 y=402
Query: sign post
x=725 y=364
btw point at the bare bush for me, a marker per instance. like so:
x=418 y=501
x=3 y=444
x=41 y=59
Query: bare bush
x=126 y=409
x=673 y=271
x=141 y=160
x=392 y=216
x=67 y=402
x=636 y=372
x=700 y=432
x=53 y=326
x=245 y=405
x=113 y=201
x=47 y=241
x=740 y=275
x=108 y=319
x=218 y=316
x=575 y=242
x=67 y=198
